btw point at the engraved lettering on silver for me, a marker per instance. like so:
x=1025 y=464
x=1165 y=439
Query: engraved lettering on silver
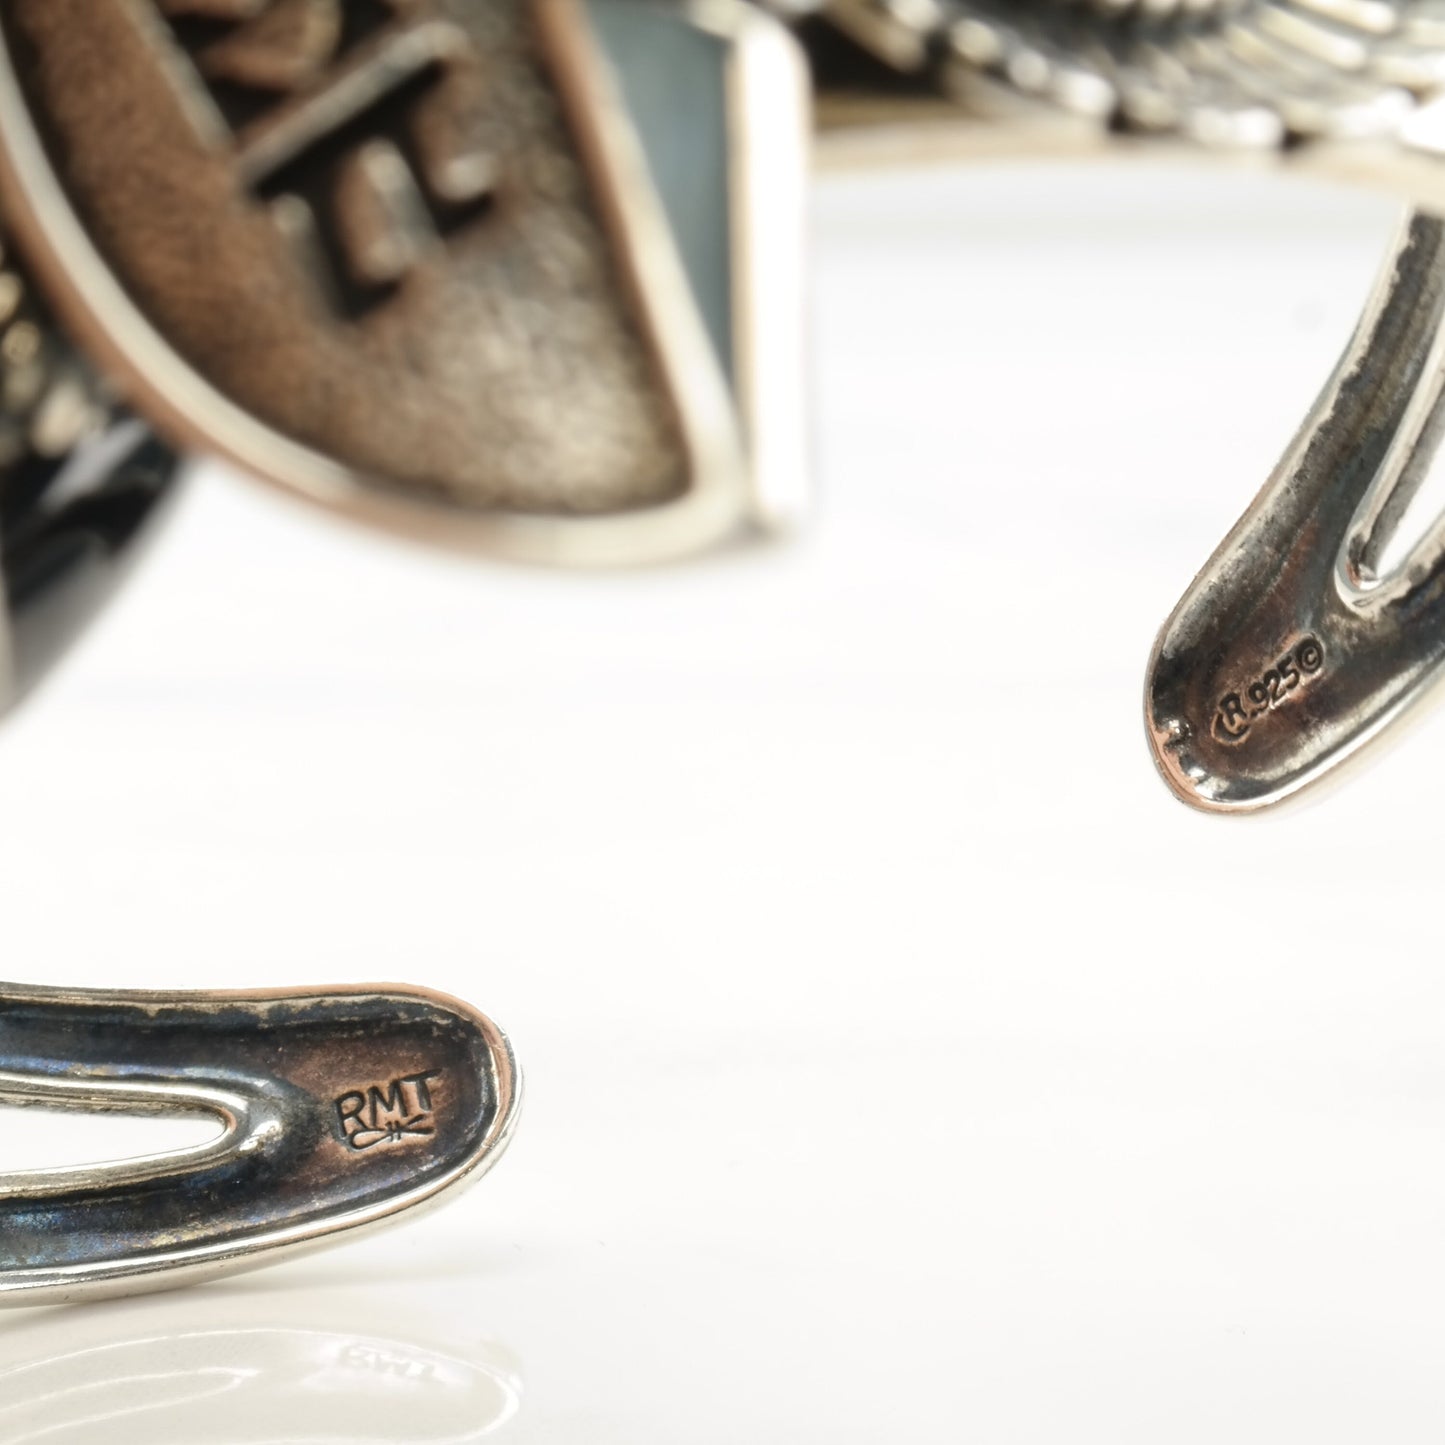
x=394 y=1114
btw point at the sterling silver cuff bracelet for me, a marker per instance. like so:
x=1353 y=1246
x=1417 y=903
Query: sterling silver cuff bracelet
x=527 y=278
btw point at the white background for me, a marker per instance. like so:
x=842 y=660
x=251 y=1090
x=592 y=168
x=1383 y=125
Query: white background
x=904 y=1064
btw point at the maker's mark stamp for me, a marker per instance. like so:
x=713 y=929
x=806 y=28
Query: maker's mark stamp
x=402 y=1110
x=1238 y=711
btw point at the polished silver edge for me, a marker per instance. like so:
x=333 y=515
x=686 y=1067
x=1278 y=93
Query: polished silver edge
x=771 y=100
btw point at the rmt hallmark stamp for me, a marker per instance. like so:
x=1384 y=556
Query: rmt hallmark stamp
x=400 y=1111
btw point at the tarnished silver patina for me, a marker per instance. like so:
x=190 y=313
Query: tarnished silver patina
x=339 y=1109
x=527 y=277
x=407 y=257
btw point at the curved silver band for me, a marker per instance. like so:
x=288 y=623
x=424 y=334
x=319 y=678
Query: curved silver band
x=1307 y=632
x=340 y=1108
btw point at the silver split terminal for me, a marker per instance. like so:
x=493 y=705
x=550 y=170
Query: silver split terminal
x=336 y=1110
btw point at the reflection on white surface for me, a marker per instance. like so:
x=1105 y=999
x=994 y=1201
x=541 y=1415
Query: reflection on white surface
x=904 y=1065
x=241 y=1369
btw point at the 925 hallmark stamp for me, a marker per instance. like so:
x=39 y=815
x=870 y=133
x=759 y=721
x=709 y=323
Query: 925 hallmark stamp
x=1238 y=711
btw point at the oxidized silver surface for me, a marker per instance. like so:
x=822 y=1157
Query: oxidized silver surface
x=429 y=263
x=352 y=228
x=341 y=1108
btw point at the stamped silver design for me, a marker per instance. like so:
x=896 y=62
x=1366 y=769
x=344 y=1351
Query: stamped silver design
x=398 y=255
